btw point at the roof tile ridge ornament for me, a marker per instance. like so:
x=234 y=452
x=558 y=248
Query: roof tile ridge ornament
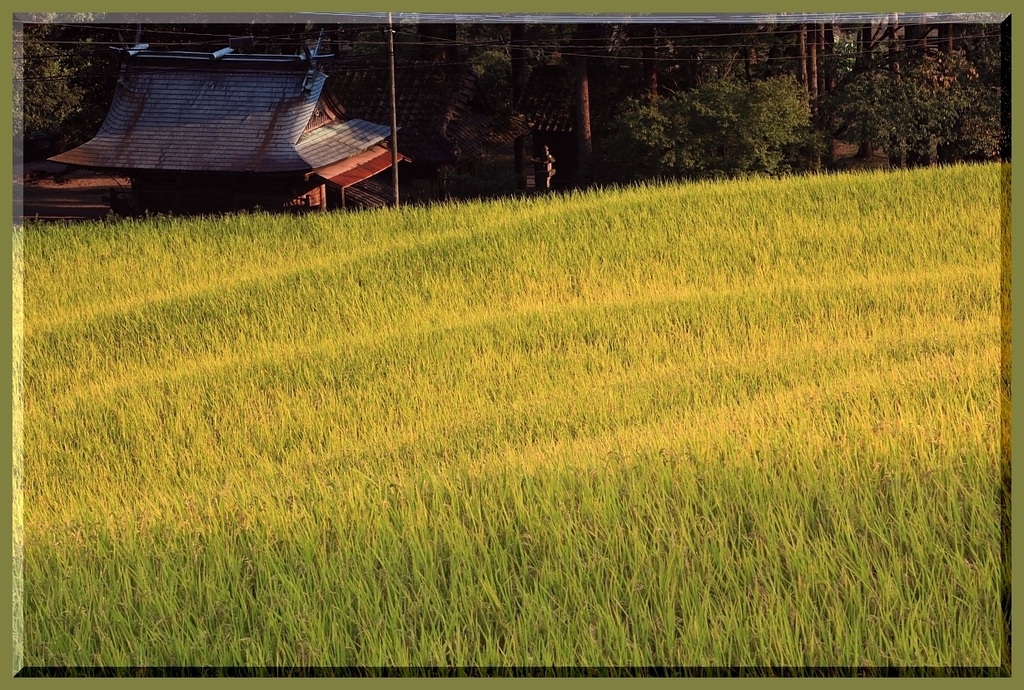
x=126 y=55
x=134 y=50
x=311 y=57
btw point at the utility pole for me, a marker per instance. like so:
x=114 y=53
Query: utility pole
x=394 y=110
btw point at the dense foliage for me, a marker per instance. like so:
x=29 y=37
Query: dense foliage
x=67 y=84
x=666 y=101
x=939 y=106
x=724 y=128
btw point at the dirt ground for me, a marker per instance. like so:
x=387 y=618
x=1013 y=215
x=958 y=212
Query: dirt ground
x=51 y=191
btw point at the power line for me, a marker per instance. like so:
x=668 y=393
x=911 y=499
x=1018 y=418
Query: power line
x=597 y=36
x=612 y=52
x=464 y=63
x=687 y=44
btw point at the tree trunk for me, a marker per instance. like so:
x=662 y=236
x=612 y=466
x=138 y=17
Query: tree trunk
x=801 y=56
x=771 y=66
x=894 y=27
x=812 y=86
x=916 y=37
x=812 y=73
x=946 y=38
x=945 y=151
x=828 y=86
x=895 y=155
x=438 y=42
x=861 y=63
x=863 y=59
x=829 y=51
x=518 y=36
x=583 y=139
x=648 y=63
x=910 y=37
x=691 y=75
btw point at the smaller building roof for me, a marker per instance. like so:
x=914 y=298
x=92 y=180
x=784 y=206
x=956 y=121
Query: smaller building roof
x=547 y=101
x=360 y=167
x=338 y=141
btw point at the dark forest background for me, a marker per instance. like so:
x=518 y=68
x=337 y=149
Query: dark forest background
x=649 y=101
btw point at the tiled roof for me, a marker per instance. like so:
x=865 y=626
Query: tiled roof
x=547 y=102
x=339 y=140
x=438 y=109
x=477 y=133
x=360 y=167
x=219 y=116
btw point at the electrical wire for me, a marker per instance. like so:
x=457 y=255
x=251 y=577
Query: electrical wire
x=595 y=38
x=686 y=44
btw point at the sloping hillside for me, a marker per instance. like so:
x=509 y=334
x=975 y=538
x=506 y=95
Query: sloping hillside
x=746 y=423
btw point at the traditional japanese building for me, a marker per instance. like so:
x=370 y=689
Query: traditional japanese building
x=221 y=131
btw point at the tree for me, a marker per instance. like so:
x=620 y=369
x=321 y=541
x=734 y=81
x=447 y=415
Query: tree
x=724 y=128
x=67 y=82
x=926 y=105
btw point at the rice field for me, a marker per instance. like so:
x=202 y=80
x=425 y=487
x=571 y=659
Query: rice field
x=748 y=423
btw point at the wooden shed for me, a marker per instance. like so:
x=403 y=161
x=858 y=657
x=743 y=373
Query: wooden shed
x=212 y=132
